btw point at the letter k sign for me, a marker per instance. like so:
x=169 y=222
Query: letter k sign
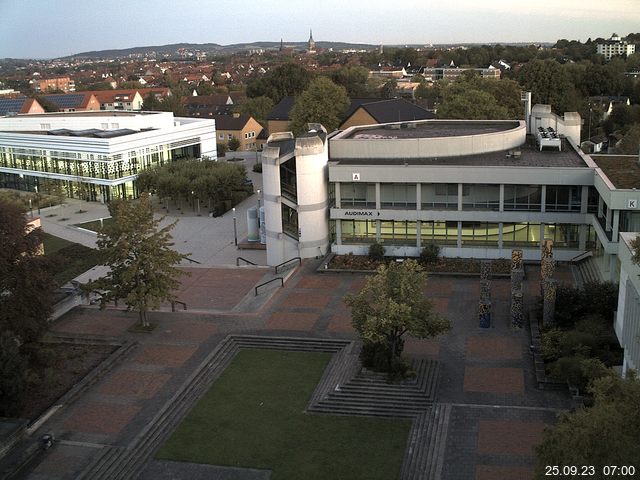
x=632 y=204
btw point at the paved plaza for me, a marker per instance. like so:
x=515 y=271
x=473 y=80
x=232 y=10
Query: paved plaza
x=497 y=412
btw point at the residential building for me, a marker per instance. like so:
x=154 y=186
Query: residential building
x=73 y=102
x=615 y=46
x=453 y=72
x=243 y=127
x=19 y=105
x=127 y=99
x=65 y=84
x=96 y=155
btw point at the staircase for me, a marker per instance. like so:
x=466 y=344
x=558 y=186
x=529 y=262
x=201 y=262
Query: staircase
x=588 y=271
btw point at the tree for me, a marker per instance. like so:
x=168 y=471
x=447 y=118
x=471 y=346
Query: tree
x=26 y=284
x=389 y=88
x=257 y=107
x=630 y=143
x=13 y=375
x=286 y=80
x=605 y=434
x=549 y=84
x=234 y=144
x=353 y=79
x=323 y=102
x=138 y=252
x=392 y=304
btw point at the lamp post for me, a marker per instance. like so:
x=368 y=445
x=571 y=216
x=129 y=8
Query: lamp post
x=101 y=223
x=235 y=228
x=258 y=201
x=30 y=209
x=38 y=199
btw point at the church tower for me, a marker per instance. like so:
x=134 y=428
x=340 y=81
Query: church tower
x=312 y=44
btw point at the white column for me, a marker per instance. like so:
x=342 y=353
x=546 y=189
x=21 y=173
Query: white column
x=616 y=225
x=501 y=205
x=418 y=196
x=460 y=188
x=338 y=194
x=543 y=198
x=378 y=200
x=584 y=199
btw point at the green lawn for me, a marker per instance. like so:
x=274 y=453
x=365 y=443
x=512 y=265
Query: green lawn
x=253 y=416
x=68 y=259
x=94 y=225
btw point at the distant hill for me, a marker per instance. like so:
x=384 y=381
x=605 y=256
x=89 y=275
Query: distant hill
x=215 y=48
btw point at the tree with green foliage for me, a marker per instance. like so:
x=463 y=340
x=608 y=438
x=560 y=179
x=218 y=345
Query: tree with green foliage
x=393 y=304
x=354 y=79
x=475 y=98
x=323 y=102
x=549 y=84
x=289 y=79
x=26 y=284
x=256 y=107
x=143 y=266
x=233 y=144
x=605 y=434
x=13 y=375
x=389 y=89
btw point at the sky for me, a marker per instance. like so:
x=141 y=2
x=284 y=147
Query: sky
x=55 y=28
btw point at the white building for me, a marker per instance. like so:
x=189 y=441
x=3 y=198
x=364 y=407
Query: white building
x=615 y=46
x=627 y=321
x=96 y=155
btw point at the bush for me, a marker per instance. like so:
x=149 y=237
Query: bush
x=257 y=168
x=376 y=252
x=222 y=149
x=572 y=303
x=233 y=144
x=375 y=356
x=429 y=254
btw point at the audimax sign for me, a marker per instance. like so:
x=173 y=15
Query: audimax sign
x=361 y=213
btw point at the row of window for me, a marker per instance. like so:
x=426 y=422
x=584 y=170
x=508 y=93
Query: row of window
x=485 y=234
x=445 y=196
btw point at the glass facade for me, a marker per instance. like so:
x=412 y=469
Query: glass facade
x=525 y=234
x=358 y=231
x=563 y=198
x=290 y=221
x=398 y=195
x=439 y=232
x=398 y=233
x=288 y=180
x=563 y=235
x=439 y=196
x=523 y=198
x=480 y=234
x=359 y=195
x=86 y=168
x=481 y=197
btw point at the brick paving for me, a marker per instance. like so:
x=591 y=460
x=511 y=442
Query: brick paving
x=131 y=383
x=486 y=374
x=507 y=348
x=508 y=437
x=494 y=380
x=494 y=472
x=165 y=355
x=292 y=321
x=101 y=418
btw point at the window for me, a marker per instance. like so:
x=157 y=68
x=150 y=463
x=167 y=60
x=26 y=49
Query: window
x=398 y=195
x=482 y=197
x=439 y=232
x=230 y=136
x=45 y=126
x=480 y=234
x=564 y=235
x=440 y=196
x=356 y=194
x=290 y=221
x=288 y=180
x=358 y=231
x=398 y=232
x=521 y=235
x=561 y=198
x=523 y=197
x=221 y=136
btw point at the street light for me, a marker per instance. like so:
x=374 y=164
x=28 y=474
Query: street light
x=235 y=228
x=258 y=201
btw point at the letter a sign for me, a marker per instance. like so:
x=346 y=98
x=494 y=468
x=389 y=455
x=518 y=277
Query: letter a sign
x=356 y=177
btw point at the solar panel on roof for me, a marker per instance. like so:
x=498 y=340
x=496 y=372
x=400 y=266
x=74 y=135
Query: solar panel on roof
x=11 y=105
x=71 y=100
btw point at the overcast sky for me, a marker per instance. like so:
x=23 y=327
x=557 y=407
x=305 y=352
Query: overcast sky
x=52 y=28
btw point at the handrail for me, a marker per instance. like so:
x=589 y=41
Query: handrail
x=266 y=283
x=287 y=261
x=581 y=256
x=244 y=260
x=173 y=305
x=192 y=260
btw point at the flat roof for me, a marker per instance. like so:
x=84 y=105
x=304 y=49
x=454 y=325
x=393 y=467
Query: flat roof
x=431 y=129
x=530 y=156
x=622 y=170
x=90 y=113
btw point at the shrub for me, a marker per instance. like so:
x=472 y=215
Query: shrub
x=233 y=144
x=222 y=149
x=376 y=252
x=13 y=375
x=375 y=356
x=429 y=254
x=257 y=168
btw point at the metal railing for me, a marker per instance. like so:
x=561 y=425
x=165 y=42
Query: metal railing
x=581 y=256
x=267 y=283
x=173 y=305
x=249 y=262
x=288 y=261
x=193 y=261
